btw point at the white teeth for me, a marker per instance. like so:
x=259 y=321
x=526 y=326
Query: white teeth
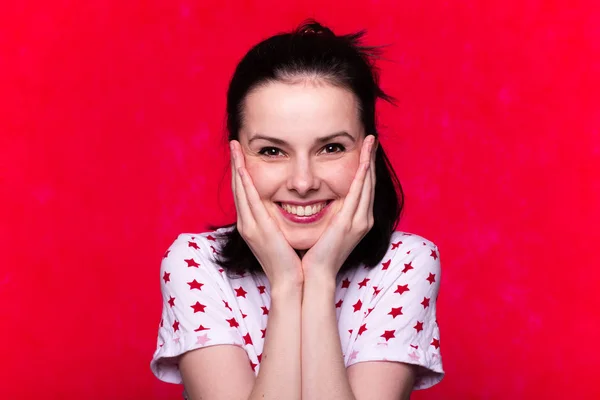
x=304 y=211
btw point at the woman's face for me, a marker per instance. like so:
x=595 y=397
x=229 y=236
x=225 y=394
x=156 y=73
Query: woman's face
x=301 y=144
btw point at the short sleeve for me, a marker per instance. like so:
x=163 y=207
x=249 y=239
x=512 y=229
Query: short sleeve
x=401 y=323
x=195 y=313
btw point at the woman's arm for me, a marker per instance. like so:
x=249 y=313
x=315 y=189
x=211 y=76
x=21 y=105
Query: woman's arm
x=224 y=372
x=323 y=370
x=279 y=374
x=324 y=375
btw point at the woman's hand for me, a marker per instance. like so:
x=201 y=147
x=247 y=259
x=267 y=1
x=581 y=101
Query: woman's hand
x=277 y=258
x=350 y=224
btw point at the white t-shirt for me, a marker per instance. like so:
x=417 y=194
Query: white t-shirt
x=384 y=313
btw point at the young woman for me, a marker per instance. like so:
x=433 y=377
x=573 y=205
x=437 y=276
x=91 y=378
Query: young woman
x=311 y=293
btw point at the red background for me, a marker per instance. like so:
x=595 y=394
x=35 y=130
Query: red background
x=111 y=144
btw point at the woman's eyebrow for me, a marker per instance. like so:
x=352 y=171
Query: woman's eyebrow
x=323 y=139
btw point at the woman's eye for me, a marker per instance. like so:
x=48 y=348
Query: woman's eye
x=332 y=147
x=269 y=151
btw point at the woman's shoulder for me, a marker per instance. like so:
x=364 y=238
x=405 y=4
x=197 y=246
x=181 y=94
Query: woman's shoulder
x=407 y=239
x=195 y=250
x=206 y=243
x=408 y=251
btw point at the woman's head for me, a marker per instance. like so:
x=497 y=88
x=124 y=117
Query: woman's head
x=301 y=104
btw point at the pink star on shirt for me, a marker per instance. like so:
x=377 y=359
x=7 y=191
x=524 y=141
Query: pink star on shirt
x=202 y=339
x=414 y=356
x=353 y=355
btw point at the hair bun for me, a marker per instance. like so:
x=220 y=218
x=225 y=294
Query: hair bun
x=314 y=28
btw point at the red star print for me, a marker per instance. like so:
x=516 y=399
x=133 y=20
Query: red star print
x=386 y=264
x=261 y=289
x=166 y=253
x=395 y=245
x=161 y=323
x=193 y=245
x=265 y=310
x=263 y=331
x=221 y=270
x=418 y=326
x=424 y=244
x=376 y=291
x=425 y=302
x=213 y=249
x=395 y=312
x=369 y=311
x=431 y=278
x=247 y=339
x=408 y=252
x=201 y=328
x=209 y=237
x=253 y=366
x=388 y=335
x=435 y=343
x=407 y=267
x=232 y=323
x=259 y=356
x=172 y=301
x=414 y=346
x=433 y=254
x=339 y=303
x=227 y=305
x=175 y=326
x=345 y=283
x=195 y=285
x=243 y=315
x=198 y=307
x=402 y=288
x=357 y=305
x=350 y=330
x=167 y=277
x=192 y=263
x=240 y=292
x=362 y=328
x=363 y=283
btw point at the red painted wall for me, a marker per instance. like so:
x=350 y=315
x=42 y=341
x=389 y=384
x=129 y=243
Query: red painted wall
x=111 y=125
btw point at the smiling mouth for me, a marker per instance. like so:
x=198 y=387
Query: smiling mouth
x=308 y=211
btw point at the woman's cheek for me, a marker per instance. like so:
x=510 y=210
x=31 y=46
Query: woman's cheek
x=339 y=175
x=264 y=177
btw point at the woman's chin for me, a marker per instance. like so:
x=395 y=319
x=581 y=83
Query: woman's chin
x=302 y=245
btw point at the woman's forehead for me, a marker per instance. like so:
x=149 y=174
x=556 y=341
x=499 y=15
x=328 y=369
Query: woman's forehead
x=280 y=109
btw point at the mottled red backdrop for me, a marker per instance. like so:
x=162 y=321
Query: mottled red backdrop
x=111 y=143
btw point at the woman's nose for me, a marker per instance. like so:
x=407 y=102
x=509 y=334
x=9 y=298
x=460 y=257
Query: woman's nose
x=302 y=178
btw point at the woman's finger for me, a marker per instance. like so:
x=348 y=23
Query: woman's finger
x=373 y=176
x=244 y=212
x=254 y=202
x=353 y=196
x=362 y=210
x=233 y=178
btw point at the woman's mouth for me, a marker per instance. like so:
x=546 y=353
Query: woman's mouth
x=304 y=215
